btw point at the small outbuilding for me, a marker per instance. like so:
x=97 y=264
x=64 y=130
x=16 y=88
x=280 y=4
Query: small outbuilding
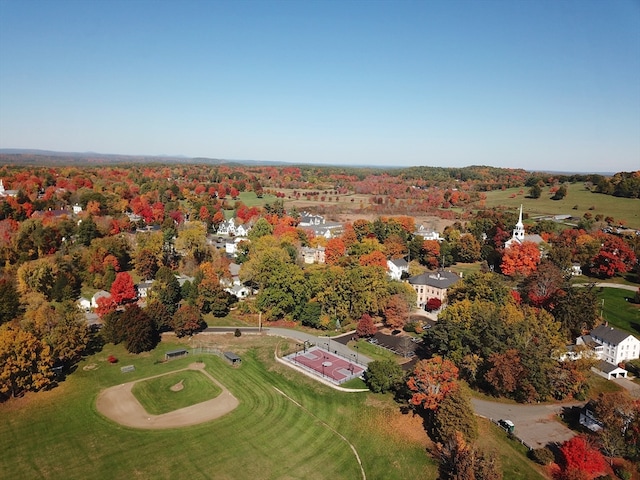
x=232 y=358
x=173 y=354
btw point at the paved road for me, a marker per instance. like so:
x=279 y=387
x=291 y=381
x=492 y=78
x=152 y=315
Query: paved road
x=630 y=288
x=536 y=425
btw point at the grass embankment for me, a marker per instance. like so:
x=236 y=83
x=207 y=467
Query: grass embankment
x=627 y=209
x=174 y=391
x=59 y=434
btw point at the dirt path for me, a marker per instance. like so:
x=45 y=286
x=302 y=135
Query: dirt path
x=120 y=405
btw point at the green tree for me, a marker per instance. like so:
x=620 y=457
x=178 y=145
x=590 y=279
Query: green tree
x=535 y=191
x=455 y=414
x=140 y=332
x=383 y=376
x=159 y=313
x=9 y=303
x=166 y=289
x=480 y=286
x=260 y=229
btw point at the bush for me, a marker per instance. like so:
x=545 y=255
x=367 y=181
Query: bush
x=543 y=456
x=237 y=333
x=112 y=359
x=623 y=473
x=411 y=327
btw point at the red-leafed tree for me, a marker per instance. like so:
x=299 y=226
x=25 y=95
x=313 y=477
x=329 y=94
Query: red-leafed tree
x=431 y=253
x=431 y=381
x=520 y=259
x=615 y=256
x=366 y=326
x=580 y=460
x=123 y=289
x=105 y=305
x=433 y=304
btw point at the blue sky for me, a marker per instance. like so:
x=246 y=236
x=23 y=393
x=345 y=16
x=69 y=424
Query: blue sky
x=526 y=84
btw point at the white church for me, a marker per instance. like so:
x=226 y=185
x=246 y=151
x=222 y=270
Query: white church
x=519 y=236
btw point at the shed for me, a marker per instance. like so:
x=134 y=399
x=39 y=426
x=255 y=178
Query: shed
x=234 y=359
x=175 y=354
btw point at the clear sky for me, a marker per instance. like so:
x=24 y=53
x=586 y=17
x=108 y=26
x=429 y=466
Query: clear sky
x=529 y=84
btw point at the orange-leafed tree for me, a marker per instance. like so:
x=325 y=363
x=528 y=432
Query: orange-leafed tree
x=334 y=251
x=396 y=312
x=431 y=253
x=431 y=381
x=504 y=372
x=123 y=289
x=520 y=259
x=376 y=259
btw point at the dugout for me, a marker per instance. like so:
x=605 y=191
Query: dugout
x=173 y=354
x=232 y=358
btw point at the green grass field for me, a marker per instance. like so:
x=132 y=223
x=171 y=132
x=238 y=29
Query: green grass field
x=59 y=433
x=627 y=209
x=156 y=396
x=618 y=311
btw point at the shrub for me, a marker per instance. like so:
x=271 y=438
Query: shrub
x=237 y=333
x=623 y=473
x=112 y=359
x=543 y=456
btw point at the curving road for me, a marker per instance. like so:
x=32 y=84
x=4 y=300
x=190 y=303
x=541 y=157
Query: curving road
x=620 y=286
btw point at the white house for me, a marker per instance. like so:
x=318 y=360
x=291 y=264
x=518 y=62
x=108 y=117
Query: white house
x=308 y=219
x=144 y=288
x=612 y=345
x=428 y=234
x=312 y=255
x=231 y=246
x=229 y=228
x=396 y=267
x=77 y=209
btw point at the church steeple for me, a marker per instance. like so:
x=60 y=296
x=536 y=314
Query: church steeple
x=518 y=232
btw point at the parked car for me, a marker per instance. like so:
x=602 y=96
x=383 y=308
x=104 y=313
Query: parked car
x=507 y=425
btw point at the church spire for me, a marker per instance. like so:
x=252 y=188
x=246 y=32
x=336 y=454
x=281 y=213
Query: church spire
x=518 y=232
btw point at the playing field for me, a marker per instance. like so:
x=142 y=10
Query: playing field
x=286 y=426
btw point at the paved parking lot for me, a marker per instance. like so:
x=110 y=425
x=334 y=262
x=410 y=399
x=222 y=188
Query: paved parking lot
x=536 y=425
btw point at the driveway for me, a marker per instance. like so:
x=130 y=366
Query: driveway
x=630 y=385
x=536 y=425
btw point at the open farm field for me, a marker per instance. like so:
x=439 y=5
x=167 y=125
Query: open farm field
x=59 y=433
x=627 y=209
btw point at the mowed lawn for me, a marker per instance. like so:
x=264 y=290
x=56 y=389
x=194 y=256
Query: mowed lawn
x=619 y=310
x=174 y=391
x=59 y=434
x=627 y=209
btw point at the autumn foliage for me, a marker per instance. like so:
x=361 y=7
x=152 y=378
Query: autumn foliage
x=580 y=460
x=431 y=381
x=520 y=259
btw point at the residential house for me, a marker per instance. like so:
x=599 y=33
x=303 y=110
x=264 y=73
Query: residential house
x=312 y=255
x=396 y=267
x=588 y=417
x=144 y=288
x=612 y=347
x=428 y=234
x=433 y=285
